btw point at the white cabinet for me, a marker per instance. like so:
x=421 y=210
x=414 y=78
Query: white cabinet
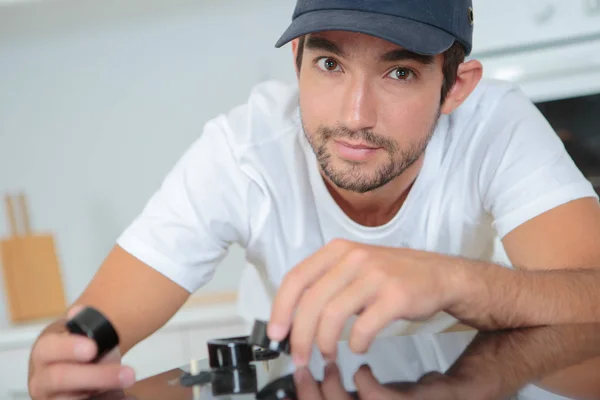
x=13 y=369
x=175 y=346
x=553 y=73
x=159 y=352
x=184 y=337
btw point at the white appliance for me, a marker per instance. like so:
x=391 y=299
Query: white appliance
x=551 y=49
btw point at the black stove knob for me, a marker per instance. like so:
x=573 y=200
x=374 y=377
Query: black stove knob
x=259 y=337
x=91 y=323
x=279 y=389
x=233 y=381
x=230 y=353
x=224 y=381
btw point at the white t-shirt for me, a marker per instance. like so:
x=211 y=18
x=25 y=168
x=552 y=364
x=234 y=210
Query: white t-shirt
x=252 y=179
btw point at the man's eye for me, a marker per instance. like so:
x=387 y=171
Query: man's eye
x=328 y=64
x=402 y=74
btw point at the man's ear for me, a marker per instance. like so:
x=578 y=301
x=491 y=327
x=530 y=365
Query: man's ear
x=468 y=76
x=295 y=46
x=295 y=54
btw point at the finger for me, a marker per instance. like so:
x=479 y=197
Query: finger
x=63 y=347
x=310 y=308
x=368 y=387
x=58 y=379
x=75 y=396
x=306 y=387
x=431 y=377
x=354 y=298
x=366 y=383
x=332 y=387
x=370 y=322
x=296 y=281
x=434 y=385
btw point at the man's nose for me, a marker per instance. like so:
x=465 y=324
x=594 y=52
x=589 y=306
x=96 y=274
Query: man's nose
x=359 y=105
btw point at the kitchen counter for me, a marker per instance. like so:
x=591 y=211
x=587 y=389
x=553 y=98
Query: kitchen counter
x=468 y=365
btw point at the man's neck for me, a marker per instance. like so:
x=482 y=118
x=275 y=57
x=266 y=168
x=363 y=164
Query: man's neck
x=377 y=207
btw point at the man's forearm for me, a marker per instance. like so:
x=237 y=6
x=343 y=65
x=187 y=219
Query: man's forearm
x=500 y=363
x=493 y=297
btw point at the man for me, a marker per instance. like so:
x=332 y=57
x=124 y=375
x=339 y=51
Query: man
x=373 y=190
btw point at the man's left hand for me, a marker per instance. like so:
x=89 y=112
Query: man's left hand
x=343 y=279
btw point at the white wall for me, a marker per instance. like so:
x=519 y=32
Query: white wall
x=98 y=99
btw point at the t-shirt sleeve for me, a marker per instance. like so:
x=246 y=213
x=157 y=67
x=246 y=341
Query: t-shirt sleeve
x=526 y=170
x=188 y=224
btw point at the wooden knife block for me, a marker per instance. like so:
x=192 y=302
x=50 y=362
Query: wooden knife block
x=32 y=276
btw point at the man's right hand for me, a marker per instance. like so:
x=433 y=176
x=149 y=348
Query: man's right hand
x=61 y=368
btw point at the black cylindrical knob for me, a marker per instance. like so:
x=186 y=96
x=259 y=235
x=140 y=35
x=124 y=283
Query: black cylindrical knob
x=234 y=381
x=91 y=323
x=230 y=353
x=279 y=389
x=259 y=338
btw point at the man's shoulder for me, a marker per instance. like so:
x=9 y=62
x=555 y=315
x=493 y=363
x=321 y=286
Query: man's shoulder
x=270 y=113
x=496 y=119
x=493 y=107
x=489 y=96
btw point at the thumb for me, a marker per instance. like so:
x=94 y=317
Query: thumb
x=365 y=380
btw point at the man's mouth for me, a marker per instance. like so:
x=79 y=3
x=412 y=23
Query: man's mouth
x=356 y=145
x=355 y=151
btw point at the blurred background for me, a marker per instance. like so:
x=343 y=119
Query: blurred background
x=98 y=100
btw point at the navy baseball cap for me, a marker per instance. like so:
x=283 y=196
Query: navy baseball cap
x=426 y=27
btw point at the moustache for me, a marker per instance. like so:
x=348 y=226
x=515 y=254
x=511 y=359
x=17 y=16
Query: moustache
x=364 y=135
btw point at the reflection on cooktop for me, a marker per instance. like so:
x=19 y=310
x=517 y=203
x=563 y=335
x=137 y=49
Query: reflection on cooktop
x=551 y=362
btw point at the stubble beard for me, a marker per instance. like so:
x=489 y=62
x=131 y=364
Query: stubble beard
x=353 y=176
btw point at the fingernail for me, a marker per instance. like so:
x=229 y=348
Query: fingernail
x=127 y=377
x=84 y=351
x=276 y=332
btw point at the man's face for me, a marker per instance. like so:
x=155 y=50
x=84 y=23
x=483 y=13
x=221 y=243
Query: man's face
x=368 y=107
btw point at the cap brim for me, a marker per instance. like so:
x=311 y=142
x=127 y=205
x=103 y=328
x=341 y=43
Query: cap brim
x=412 y=35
